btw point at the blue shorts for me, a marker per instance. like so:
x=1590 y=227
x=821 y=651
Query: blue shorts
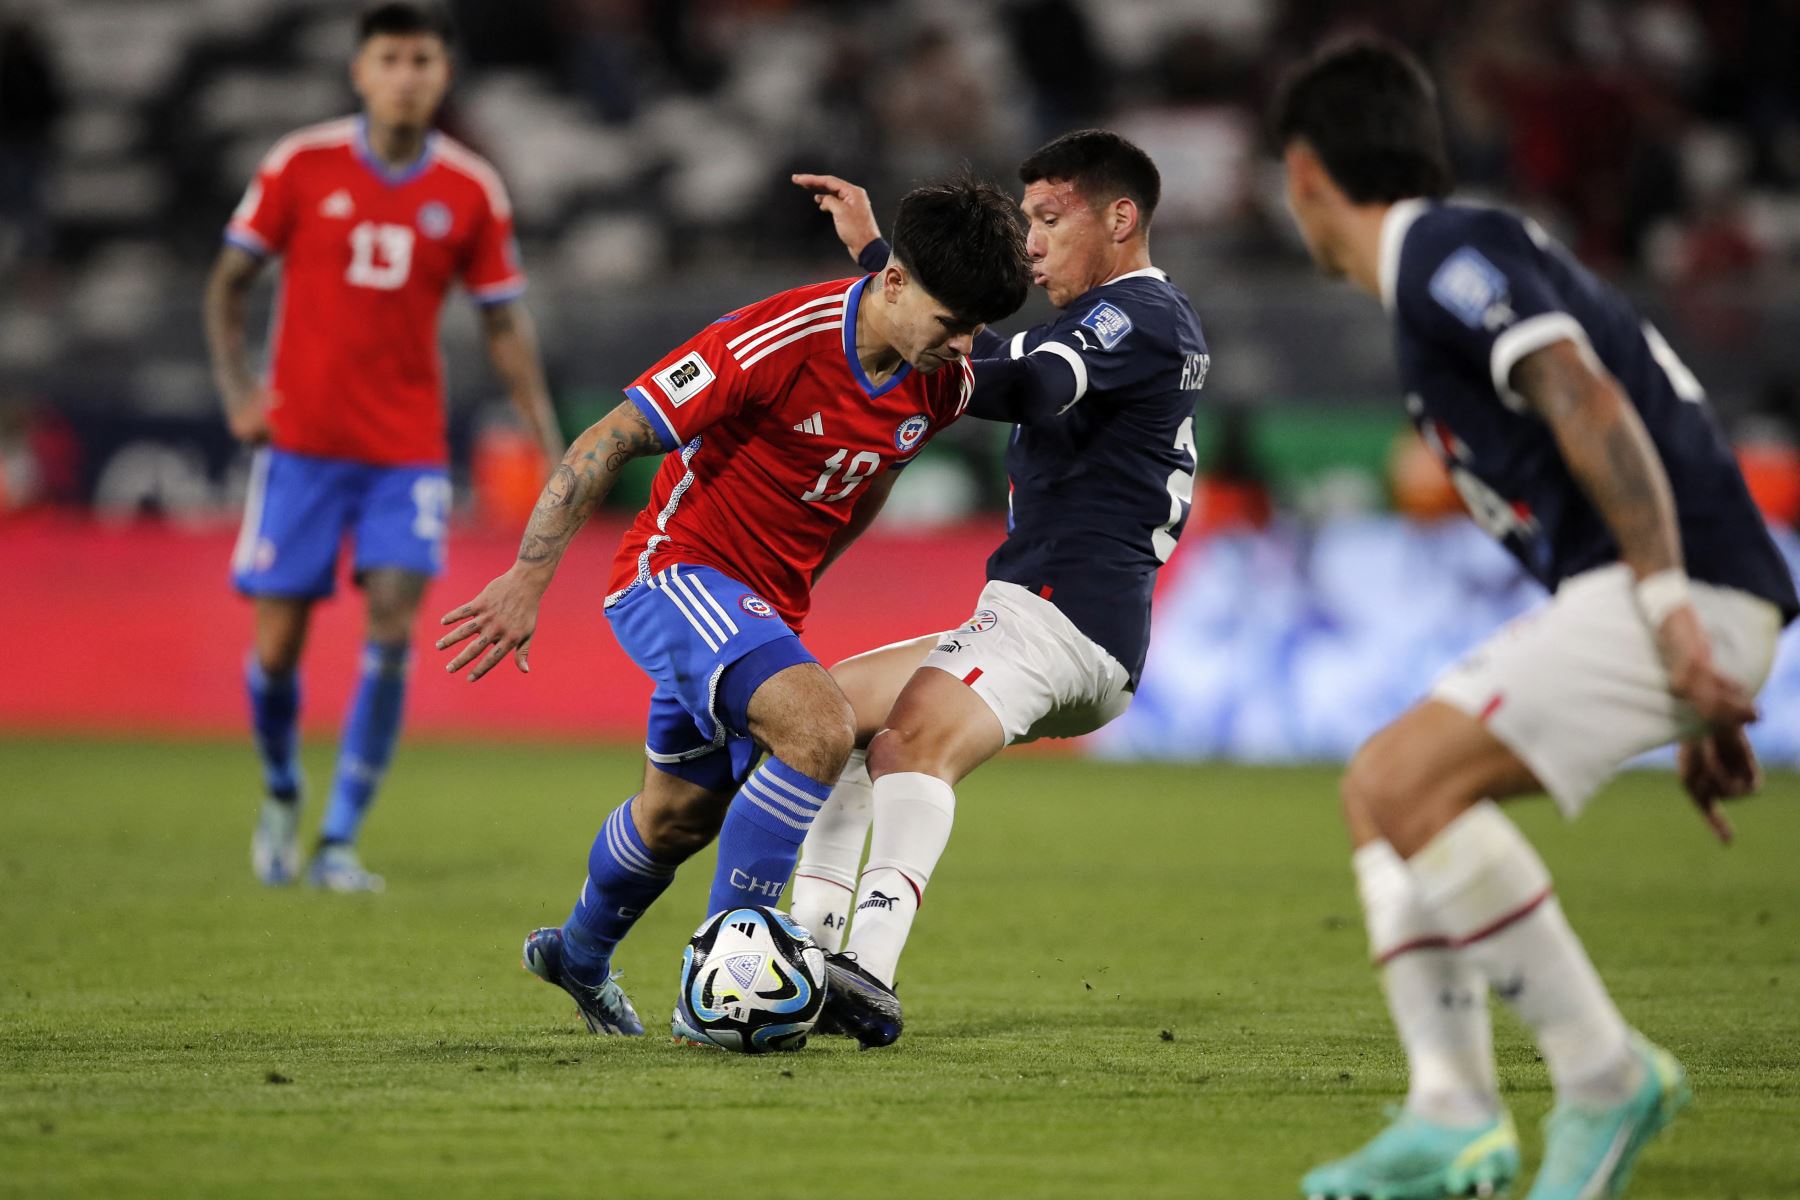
x=299 y=508
x=708 y=642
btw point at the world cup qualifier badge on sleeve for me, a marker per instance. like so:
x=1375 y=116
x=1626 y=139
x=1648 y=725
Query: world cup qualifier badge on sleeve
x=1109 y=323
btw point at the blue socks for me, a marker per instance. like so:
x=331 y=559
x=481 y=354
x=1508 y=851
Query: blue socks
x=275 y=719
x=369 y=736
x=760 y=841
x=623 y=880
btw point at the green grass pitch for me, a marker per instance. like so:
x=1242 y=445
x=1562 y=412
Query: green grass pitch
x=1128 y=981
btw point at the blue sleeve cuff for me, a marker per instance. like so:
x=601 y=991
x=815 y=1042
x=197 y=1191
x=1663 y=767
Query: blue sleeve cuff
x=874 y=256
x=665 y=432
x=248 y=243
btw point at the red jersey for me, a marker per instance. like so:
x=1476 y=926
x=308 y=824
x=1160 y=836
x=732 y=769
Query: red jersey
x=369 y=252
x=778 y=427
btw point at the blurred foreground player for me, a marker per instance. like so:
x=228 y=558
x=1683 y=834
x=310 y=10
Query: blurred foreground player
x=374 y=218
x=1101 y=474
x=1580 y=441
x=791 y=417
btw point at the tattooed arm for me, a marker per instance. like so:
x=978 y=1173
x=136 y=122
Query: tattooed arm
x=1607 y=450
x=502 y=618
x=1610 y=454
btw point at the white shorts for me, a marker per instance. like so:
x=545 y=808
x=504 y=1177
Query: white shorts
x=1576 y=688
x=1042 y=676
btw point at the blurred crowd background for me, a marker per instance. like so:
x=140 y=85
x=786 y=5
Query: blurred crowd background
x=648 y=143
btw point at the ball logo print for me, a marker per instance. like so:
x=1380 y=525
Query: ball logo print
x=752 y=980
x=910 y=431
x=434 y=219
x=756 y=606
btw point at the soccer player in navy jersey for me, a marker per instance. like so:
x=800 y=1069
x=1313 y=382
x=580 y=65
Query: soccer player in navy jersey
x=1101 y=468
x=1580 y=441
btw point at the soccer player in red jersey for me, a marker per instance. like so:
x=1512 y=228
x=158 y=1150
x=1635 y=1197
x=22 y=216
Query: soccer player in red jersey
x=374 y=217
x=791 y=417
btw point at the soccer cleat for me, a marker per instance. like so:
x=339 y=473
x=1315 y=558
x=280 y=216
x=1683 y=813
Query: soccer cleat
x=1589 y=1152
x=336 y=868
x=858 y=1004
x=275 y=846
x=604 y=1009
x=1416 y=1159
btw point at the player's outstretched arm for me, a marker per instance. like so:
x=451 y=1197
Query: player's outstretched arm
x=246 y=404
x=1610 y=454
x=512 y=347
x=501 y=620
x=851 y=213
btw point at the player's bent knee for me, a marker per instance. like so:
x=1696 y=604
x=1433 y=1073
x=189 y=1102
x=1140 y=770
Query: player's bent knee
x=677 y=826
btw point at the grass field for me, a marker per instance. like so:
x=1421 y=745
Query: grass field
x=1130 y=981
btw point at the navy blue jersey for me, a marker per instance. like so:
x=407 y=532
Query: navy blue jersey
x=1473 y=290
x=1101 y=488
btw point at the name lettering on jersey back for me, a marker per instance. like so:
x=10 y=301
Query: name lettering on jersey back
x=685 y=380
x=1473 y=290
x=1193 y=371
x=1109 y=324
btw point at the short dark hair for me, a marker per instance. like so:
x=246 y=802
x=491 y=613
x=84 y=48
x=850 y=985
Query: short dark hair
x=404 y=17
x=1102 y=165
x=962 y=241
x=1369 y=111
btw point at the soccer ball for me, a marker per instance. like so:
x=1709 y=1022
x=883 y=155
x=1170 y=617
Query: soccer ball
x=752 y=981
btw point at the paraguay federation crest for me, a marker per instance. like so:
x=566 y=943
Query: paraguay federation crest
x=910 y=431
x=434 y=219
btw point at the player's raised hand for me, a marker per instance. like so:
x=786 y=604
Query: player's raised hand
x=500 y=621
x=1715 y=767
x=851 y=213
x=1720 y=700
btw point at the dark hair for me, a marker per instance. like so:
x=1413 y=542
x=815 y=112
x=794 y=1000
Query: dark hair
x=404 y=17
x=963 y=242
x=1369 y=111
x=1103 y=166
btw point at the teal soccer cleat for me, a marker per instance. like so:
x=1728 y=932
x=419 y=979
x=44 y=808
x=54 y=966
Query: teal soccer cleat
x=604 y=1009
x=1589 y=1152
x=1416 y=1159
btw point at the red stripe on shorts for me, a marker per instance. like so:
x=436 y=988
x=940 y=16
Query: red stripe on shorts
x=972 y=676
x=1491 y=707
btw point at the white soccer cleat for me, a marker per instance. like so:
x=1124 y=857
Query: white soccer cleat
x=275 y=846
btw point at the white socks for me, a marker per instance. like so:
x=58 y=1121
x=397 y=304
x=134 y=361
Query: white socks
x=825 y=880
x=1437 y=997
x=1491 y=893
x=913 y=815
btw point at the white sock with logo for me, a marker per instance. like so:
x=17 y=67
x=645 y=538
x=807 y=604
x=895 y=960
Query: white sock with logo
x=1437 y=997
x=1492 y=892
x=825 y=880
x=913 y=815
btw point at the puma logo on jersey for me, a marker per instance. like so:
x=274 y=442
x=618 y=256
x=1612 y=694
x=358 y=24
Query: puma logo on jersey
x=814 y=425
x=337 y=205
x=685 y=380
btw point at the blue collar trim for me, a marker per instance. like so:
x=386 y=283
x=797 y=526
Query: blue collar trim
x=390 y=175
x=856 y=367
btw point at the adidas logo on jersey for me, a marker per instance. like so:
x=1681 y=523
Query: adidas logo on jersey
x=814 y=425
x=338 y=204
